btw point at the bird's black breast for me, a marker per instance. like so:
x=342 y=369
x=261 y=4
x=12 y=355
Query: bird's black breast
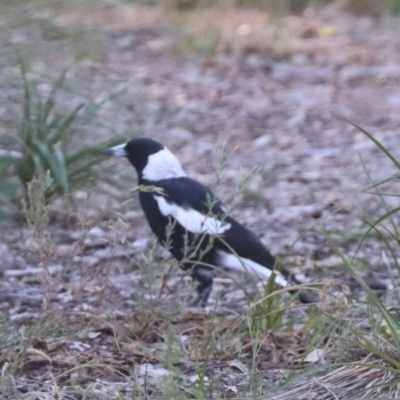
x=156 y=220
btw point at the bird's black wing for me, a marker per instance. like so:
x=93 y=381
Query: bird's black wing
x=195 y=200
x=188 y=193
x=237 y=239
x=191 y=208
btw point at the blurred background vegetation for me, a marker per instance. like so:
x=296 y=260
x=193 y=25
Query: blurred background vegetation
x=44 y=107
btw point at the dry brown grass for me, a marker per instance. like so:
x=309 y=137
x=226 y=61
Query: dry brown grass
x=364 y=376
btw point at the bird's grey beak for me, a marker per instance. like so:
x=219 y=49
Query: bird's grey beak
x=116 y=151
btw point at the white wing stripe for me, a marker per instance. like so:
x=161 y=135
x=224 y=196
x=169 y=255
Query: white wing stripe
x=192 y=220
x=242 y=264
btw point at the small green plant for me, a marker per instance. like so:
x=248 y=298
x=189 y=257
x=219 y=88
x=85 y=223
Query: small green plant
x=267 y=313
x=47 y=142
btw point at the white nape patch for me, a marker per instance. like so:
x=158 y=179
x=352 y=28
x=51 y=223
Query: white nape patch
x=118 y=151
x=242 y=264
x=192 y=220
x=162 y=165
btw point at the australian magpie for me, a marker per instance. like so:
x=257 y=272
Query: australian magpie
x=192 y=223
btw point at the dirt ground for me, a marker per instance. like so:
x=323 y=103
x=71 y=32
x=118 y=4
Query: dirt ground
x=273 y=94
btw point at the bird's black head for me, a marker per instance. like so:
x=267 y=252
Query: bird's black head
x=138 y=152
x=151 y=159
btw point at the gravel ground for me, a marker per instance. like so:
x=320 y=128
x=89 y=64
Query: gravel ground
x=273 y=98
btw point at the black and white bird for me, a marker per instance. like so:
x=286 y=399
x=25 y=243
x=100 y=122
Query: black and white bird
x=192 y=223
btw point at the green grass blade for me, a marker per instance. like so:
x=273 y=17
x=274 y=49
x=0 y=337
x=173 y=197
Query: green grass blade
x=381 y=198
x=51 y=99
x=52 y=161
x=63 y=178
x=392 y=323
x=27 y=98
x=63 y=130
x=374 y=225
x=381 y=182
x=376 y=142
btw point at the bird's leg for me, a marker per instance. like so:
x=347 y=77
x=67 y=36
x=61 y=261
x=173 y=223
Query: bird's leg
x=204 y=290
x=204 y=287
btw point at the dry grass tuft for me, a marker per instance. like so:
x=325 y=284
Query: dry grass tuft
x=364 y=376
